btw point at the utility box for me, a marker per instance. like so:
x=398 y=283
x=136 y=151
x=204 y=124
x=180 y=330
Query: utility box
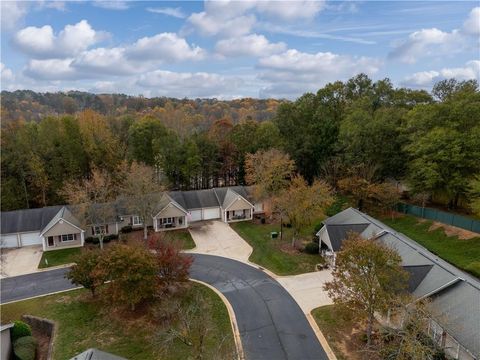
x=274 y=234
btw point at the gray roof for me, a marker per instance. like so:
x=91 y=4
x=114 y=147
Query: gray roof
x=195 y=199
x=95 y=354
x=454 y=293
x=64 y=214
x=27 y=220
x=339 y=232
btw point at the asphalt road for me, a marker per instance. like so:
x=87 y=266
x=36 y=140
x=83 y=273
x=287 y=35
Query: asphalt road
x=271 y=324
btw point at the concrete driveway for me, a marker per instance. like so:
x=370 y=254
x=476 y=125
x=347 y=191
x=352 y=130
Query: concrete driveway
x=20 y=261
x=218 y=238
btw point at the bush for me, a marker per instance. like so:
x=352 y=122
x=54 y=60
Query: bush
x=336 y=207
x=25 y=348
x=89 y=240
x=95 y=241
x=311 y=248
x=20 y=329
x=318 y=227
x=109 y=238
x=126 y=229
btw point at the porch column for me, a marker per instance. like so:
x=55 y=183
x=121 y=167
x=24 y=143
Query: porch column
x=82 y=237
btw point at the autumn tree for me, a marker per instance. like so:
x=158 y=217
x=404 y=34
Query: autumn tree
x=86 y=270
x=474 y=193
x=91 y=197
x=132 y=273
x=269 y=171
x=367 y=279
x=172 y=266
x=141 y=191
x=303 y=204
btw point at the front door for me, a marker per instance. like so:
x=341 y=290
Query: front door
x=50 y=241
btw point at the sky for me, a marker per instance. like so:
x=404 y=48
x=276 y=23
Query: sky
x=233 y=49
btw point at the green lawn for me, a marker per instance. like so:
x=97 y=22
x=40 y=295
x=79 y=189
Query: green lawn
x=464 y=254
x=183 y=236
x=84 y=323
x=58 y=257
x=275 y=254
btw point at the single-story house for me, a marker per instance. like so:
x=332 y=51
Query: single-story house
x=56 y=227
x=452 y=292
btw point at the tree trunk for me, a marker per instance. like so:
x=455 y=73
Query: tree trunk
x=360 y=204
x=145 y=231
x=294 y=238
x=101 y=241
x=369 y=330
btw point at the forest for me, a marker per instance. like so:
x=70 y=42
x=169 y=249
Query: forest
x=427 y=141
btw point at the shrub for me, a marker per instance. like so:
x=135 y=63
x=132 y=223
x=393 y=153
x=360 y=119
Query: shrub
x=336 y=207
x=96 y=241
x=317 y=227
x=25 y=348
x=20 y=329
x=89 y=240
x=311 y=248
x=109 y=238
x=126 y=229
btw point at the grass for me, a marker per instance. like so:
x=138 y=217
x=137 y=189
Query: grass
x=58 y=257
x=183 y=236
x=339 y=332
x=84 y=323
x=275 y=254
x=464 y=254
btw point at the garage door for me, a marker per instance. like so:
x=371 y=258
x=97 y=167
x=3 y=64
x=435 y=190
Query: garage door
x=195 y=215
x=212 y=213
x=28 y=239
x=9 y=241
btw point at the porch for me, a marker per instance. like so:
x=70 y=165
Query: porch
x=238 y=215
x=54 y=242
x=170 y=223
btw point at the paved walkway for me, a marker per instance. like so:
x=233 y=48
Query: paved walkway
x=20 y=261
x=218 y=238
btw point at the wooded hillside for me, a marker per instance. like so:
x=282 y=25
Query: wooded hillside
x=430 y=141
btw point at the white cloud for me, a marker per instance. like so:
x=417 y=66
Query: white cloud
x=42 y=43
x=6 y=75
x=175 y=12
x=190 y=85
x=435 y=42
x=249 y=45
x=209 y=25
x=112 y=5
x=51 y=69
x=106 y=61
x=164 y=47
x=426 y=79
x=472 y=24
x=293 y=72
x=427 y=42
x=12 y=13
x=234 y=18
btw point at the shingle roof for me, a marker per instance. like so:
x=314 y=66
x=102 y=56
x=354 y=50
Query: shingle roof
x=95 y=354
x=27 y=220
x=454 y=293
x=64 y=214
x=338 y=233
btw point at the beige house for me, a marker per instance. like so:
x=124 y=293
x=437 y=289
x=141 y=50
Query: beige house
x=55 y=227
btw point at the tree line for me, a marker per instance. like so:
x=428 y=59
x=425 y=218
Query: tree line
x=362 y=130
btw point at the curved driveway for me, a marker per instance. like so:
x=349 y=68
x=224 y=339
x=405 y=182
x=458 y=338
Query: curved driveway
x=271 y=324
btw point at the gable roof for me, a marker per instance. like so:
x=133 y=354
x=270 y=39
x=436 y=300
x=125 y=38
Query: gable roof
x=27 y=220
x=454 y=293
x=338 y=232
x=64 y=214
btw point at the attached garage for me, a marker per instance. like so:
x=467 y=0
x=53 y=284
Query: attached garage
x=28 y=239
x=211 y=213
x=9 y=241
x=195 y=215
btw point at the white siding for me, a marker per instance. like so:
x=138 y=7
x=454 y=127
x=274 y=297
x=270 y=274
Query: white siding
x=211 y=213
x=195 y=215
x=9 y=241
x=33 y=238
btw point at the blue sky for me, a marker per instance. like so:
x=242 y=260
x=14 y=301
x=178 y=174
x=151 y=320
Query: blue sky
x=230 y=49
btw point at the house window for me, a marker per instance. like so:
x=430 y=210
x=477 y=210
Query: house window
x=68 y=237
x=164 y=221
x=136 y=220
x=99 y=230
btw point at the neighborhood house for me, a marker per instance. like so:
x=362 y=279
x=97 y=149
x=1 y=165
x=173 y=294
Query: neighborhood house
x=452 y=292
x=56 y=227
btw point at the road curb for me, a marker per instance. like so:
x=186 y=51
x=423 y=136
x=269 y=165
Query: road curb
x=321 y=337
x=43 y=295
x=233 y=319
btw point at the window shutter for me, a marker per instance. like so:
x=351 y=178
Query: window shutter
x=106 y=229
x=93 y=230
x=74 y=236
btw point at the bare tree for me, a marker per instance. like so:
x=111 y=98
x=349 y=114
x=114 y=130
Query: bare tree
x=142 y=192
